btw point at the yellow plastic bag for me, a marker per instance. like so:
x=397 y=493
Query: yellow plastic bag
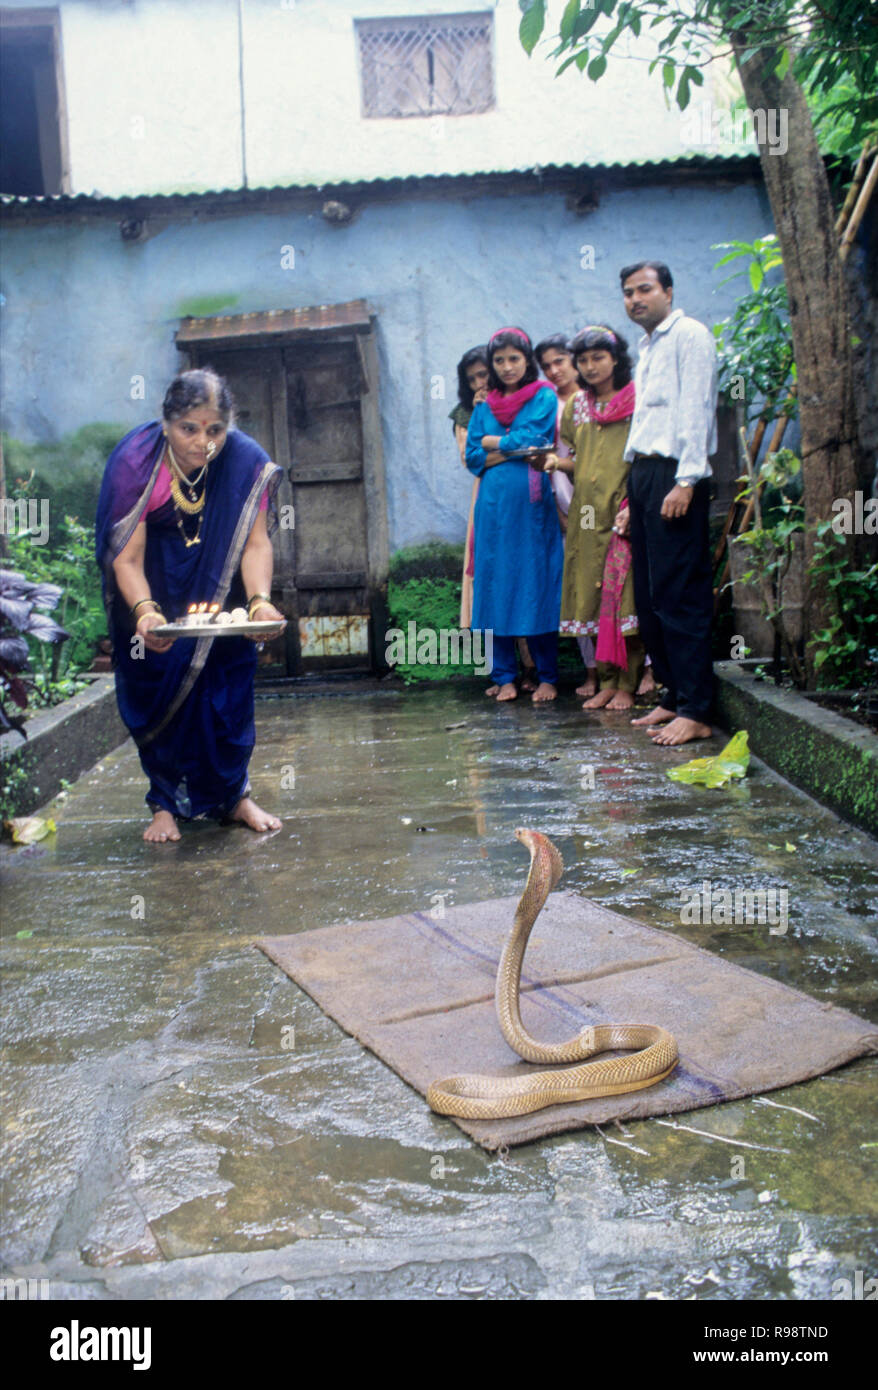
x=25 y=830
x=733 y=761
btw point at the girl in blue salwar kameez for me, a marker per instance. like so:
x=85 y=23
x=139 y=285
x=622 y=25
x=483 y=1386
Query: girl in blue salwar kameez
x=177 y=525
x=519 y=556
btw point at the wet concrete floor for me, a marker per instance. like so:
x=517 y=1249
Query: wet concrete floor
x=182 y=1122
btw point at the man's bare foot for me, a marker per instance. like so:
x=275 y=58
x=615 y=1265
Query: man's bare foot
x=681 y=730
x=602 y=698
x=162 y=828
x=543 y=693
x=621 y=700
x=508 y=691
x=493 y=690
x=590 y=685
x=659 y=715
x=647 y=684
x=250 y=814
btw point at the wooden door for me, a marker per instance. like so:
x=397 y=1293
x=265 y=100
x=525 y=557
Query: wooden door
x=324 y=383
x=301 y=402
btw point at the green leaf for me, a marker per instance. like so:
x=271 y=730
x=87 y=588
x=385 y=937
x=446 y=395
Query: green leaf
x=683 y=93
x=783 y=65
x=669 y=72
x=597 y=67
x=756 y=274
x=568 y=62
x=533 y=21
x=568 y=19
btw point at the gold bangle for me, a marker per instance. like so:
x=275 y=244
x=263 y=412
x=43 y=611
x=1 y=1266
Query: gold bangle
x=254 y=608
x=158 y=613
x=141 y=602
x=262 y=598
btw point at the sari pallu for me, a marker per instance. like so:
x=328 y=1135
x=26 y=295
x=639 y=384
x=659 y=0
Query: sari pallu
x=189 y=709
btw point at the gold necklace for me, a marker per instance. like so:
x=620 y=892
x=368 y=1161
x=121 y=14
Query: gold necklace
x=178 y=476
x=184 y=504
x=191 y=506
x=190 y=540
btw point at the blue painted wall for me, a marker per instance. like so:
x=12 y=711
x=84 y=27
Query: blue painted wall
x=85 y=312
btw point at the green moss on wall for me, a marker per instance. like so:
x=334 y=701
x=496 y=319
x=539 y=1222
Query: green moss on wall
x=841 y=774
x=201 y=307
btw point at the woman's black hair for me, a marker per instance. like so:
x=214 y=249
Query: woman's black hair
x=516 y=338
x=201 y=386
x=558 y=341
x=600 y=337
x=465 y=392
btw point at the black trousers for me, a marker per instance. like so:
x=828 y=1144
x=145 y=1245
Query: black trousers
x=673 y=585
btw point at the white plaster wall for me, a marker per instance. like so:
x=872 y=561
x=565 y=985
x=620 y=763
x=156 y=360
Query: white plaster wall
x=153 y=99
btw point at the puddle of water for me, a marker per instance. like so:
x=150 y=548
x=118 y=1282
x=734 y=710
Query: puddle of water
x=152 y=1042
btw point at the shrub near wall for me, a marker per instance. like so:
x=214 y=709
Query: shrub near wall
x=424 y=587
x=67 y=472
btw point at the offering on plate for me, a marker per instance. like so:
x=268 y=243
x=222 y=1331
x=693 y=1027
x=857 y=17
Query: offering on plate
x=211 y=615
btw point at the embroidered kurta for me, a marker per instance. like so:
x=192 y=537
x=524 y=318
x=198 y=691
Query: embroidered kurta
x=518 y=550
x=599 y=481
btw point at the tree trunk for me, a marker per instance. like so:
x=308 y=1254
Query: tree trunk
x=820 y=317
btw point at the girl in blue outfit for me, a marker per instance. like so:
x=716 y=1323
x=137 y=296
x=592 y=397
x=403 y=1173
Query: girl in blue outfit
x=519 y=557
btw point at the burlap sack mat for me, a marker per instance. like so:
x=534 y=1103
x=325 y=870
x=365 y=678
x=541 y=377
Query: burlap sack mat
x=419 y=992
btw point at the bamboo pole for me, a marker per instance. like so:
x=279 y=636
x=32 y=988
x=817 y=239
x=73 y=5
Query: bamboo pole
x=774 y=445
x=753 y=450
x=856 y=216
x=851 y=196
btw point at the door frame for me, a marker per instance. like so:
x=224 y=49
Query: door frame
x=202 y=338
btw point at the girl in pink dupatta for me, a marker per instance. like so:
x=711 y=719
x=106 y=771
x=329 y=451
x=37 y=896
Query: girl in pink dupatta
x=597 y=597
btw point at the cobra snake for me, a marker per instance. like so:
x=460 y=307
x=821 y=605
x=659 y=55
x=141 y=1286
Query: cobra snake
x=492 y=1097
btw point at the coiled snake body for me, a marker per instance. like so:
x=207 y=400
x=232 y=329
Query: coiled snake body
x=492 y=1097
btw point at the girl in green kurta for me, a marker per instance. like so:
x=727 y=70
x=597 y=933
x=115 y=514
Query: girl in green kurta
x=596 y=598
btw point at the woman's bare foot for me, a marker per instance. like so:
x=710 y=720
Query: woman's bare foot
x=659 y=715
x=647 y=684
x=250 y=814
x=681 y=730
x=590 y=685
x=493 y=690
x=508 y=691
x=162 y=828
x=621 y=700
x=543 y=693
x=603 y=697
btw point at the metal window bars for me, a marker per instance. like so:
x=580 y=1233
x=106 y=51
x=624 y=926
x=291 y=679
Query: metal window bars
x=437 y=65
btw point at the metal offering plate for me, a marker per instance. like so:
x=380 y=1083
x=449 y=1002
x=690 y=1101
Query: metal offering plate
x=183 y=629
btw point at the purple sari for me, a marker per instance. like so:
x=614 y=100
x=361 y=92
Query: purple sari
x=189 y=709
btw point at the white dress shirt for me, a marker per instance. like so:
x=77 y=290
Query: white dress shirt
x=675 y=411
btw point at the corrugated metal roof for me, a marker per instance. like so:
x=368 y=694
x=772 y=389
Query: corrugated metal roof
x=354 y=314
x=73 y=201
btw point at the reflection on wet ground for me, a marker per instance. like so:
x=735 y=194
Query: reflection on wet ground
x=181 y=1121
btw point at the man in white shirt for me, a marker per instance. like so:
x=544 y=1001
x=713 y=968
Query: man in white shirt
x=673 y=430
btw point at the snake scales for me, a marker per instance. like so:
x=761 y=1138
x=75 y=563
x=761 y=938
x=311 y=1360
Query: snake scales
x=491 y=1097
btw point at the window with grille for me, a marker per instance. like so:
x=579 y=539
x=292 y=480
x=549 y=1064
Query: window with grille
x=435 y=66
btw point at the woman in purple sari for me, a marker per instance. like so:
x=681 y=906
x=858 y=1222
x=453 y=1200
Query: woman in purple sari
x=185 y=515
